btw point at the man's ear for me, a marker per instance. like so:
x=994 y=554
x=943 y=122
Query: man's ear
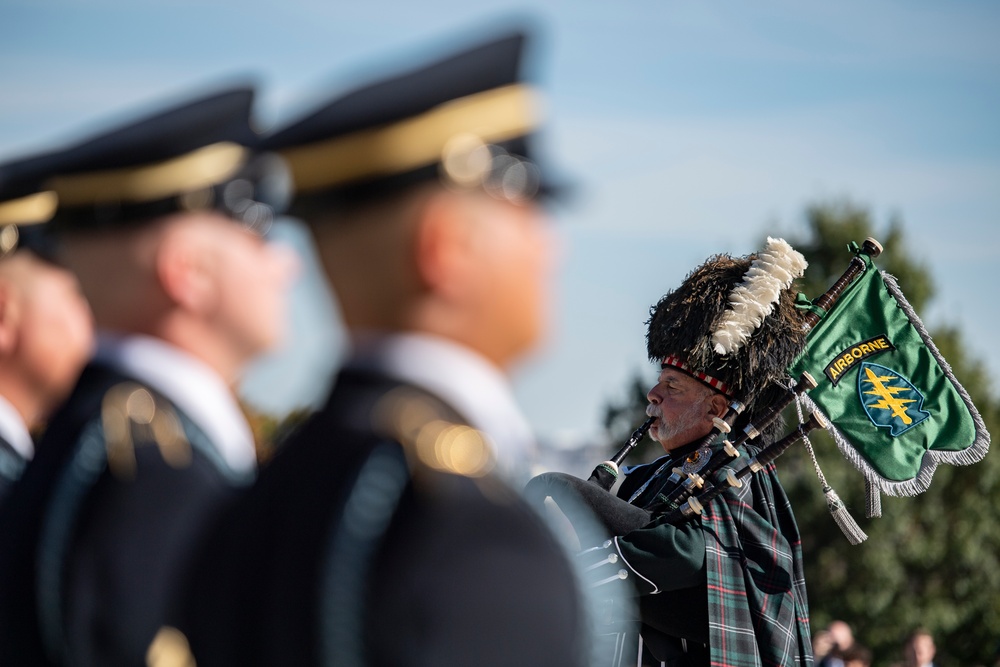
x=718 y=405
x=442 y=244
x=184 y=269
x=10 y=317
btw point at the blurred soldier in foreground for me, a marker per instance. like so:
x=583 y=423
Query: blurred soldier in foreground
x=726 y=586
x=163 y=222
x=46 y=332
x=380 y=535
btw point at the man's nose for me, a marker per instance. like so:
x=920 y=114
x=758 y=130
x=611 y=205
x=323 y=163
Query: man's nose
x=653 y=395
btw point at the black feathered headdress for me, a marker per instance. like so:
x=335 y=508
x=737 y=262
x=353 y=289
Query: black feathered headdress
x=733 y=325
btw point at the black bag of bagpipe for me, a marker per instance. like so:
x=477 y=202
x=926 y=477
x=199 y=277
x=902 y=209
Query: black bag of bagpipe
x=588 y=517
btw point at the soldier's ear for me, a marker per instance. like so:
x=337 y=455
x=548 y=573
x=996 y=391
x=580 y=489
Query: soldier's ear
x=184 y=268
x=442 y=243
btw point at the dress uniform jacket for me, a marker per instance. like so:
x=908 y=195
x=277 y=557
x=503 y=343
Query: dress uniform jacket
x=91 y=550
x=348 y=550
x=732 y=579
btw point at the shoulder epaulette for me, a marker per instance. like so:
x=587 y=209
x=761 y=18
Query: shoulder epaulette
x=131 y=416
x=430 y=435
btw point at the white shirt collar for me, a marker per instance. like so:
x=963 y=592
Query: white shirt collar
x=14 y=430
x=464 y=379
x=195 y=388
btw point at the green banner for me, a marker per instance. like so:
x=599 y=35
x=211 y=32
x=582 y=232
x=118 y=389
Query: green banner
x=885 y=387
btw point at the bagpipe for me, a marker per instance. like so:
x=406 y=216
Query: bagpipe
x=684 y=493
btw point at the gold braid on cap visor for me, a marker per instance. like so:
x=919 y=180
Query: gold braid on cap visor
x=493 y=116
x=197 y=170
x=28 y=210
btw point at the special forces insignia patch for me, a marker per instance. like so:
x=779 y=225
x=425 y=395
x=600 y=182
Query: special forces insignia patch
x=889 y=399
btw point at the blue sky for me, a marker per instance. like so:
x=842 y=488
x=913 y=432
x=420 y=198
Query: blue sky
x=690 y=129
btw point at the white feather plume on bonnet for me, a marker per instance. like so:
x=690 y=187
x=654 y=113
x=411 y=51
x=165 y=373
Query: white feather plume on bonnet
x=774 y=269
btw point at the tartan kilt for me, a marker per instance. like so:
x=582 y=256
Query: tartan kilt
x=757 y=607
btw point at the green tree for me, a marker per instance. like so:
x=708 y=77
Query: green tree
x=932 y=561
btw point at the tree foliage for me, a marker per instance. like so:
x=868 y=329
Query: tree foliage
x=932 y=561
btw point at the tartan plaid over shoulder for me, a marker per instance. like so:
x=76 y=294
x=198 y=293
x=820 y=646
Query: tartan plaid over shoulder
x=757 y=608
